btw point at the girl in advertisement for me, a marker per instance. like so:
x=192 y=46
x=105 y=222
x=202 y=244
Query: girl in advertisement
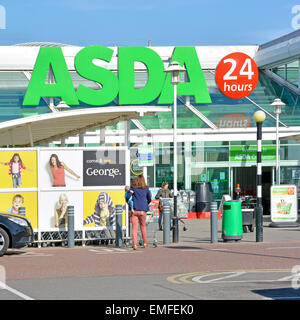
x=61 y=211
x=16 y=166
x=58 y=171
x=104 y=213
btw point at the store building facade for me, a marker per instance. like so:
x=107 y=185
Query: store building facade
x=216 y=141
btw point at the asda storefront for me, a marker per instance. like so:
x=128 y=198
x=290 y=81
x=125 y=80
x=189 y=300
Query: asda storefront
x=216 y=134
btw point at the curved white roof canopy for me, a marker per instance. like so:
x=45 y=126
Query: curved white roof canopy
x=45 y=128
x=278 y=51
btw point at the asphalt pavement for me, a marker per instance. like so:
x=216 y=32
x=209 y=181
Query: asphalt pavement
x=192 y=269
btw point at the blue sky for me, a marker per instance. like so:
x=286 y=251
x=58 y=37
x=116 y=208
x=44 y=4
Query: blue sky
x=134 y=22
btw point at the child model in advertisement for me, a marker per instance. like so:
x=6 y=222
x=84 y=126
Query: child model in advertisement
x=104 y=213
x=15 y=168
x=17 y=202
x=61 y=211
x=58 y=171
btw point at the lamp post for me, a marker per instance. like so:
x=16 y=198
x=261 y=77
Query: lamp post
x=277 y=104
x=174 y=68
x=259 y=117
x=62 y=106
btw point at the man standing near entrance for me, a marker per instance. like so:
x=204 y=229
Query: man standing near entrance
x=162 y=193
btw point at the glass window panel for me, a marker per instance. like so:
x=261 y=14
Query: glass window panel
x=293 y=72
x=209 y=154
x=13 y=81
x=290 y=152
x=77 y=80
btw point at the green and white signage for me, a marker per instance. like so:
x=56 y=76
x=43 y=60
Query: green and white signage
x=145 y=155
x=249 y=153
x=284 y=205
x=120 y=84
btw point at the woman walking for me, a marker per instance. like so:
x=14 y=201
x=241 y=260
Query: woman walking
x=141 y=198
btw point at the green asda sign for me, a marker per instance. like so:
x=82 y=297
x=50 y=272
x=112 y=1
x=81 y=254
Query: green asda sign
x=249 y=153
x=114 y=86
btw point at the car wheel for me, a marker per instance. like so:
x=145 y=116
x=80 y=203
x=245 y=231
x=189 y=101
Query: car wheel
x=4 y=242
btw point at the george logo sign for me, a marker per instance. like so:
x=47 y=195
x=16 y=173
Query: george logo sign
x=237 y=75
x=103 y=168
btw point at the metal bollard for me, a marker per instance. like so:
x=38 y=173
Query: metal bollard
x=213 y=222
x=119 y=211
x=167 y=222
x=71 y=233
x=21 y=211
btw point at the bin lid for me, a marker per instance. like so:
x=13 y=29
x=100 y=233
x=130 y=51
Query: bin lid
x=234 y=203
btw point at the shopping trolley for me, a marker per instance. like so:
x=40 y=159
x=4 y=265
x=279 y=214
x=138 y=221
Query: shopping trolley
x=151 y=224
x=182 y=209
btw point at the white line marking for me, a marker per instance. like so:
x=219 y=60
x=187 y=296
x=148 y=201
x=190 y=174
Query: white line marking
x=113 y=251
x=14 y=291
x=198 y=279
x=200 y=250
x=233 y=274
x=288 y=278
x=118 y=252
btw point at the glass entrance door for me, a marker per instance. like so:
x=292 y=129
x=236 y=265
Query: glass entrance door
x=245 y=177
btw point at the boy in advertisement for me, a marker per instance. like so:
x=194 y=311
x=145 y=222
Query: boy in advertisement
x=17 y=202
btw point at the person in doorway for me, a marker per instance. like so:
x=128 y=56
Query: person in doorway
x=58 y=171
x=17 y=202
x=15 y=168
x=61 y=211
x=141 y=198
x=162 y=193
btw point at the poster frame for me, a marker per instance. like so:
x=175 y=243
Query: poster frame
x=294 y=203
x=39 y=189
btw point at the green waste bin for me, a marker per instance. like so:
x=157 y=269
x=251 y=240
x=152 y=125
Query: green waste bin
x=232 y=221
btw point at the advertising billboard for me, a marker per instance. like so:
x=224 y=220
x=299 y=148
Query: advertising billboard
x=46 y=180
x=103 y=168
x=284 y=203
x=18 y=169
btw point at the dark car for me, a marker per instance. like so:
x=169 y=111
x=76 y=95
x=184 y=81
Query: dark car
x=15 y=232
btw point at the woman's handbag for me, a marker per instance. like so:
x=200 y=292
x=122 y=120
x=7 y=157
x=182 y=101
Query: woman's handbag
x=160 y=206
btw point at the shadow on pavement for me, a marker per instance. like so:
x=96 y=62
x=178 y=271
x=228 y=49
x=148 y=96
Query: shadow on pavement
x=279 y=294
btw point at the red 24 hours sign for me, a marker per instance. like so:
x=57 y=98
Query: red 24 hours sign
x=237 y=75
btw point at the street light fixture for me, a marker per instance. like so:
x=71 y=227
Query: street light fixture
x=277 y=104
x=175 y=69
x=62 y=106
x=259 y=117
